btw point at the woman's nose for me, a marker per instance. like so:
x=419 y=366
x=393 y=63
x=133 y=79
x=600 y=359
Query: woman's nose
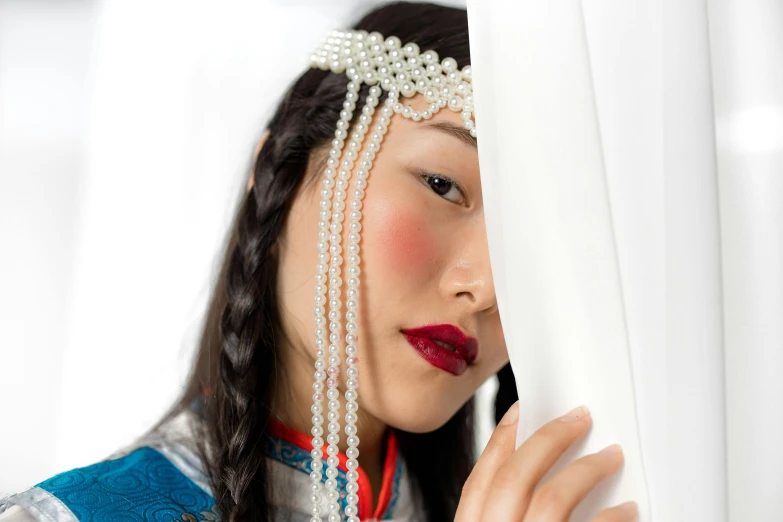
x=468 y=275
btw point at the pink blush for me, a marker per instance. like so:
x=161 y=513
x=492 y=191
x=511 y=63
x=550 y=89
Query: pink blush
x=405 y=244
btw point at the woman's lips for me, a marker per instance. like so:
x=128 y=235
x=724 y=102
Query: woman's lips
x=454 y=361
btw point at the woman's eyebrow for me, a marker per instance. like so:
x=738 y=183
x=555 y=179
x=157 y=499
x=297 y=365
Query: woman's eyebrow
x=459 y=132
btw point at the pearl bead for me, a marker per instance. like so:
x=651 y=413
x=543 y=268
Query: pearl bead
x=392 y=42
x=411 y=49
x=449 y=65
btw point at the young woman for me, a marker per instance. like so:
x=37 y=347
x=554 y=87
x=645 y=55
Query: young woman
x=247 y=441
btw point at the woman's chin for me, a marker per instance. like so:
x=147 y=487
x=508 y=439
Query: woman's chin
x=420 y=420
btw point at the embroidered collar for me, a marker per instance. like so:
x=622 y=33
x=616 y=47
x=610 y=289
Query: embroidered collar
x=292 y=448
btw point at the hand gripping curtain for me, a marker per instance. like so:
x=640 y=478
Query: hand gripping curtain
x=632 y=171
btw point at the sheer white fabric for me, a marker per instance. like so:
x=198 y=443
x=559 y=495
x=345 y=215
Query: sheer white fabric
x=635 y=272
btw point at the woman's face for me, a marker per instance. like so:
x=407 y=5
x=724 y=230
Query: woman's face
x=424 y=261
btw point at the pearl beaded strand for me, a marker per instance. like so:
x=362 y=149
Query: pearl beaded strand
x=333 y=254
x=354 y=237
x=330 y=173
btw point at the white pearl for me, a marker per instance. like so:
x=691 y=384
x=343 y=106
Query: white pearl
x=392 y=42
x=449 y=64
x=433 y=70
x=430 y=57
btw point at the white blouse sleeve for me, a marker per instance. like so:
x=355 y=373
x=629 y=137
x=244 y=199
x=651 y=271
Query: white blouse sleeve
x=17 y=514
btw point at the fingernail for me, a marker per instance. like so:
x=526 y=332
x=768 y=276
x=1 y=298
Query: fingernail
x=511 y=415
x=614 y=448
x=576 y=414
x=629 y=507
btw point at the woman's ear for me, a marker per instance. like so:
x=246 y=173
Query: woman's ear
x=258 y=150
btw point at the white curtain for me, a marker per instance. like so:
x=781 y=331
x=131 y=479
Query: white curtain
x=637 y=258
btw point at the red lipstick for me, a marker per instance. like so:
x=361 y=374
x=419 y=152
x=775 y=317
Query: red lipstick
x=461 y=350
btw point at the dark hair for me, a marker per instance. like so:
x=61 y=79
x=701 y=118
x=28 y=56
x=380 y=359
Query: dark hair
x=237 y=356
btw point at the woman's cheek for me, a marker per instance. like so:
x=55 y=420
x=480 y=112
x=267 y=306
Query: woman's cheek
x=405 y=245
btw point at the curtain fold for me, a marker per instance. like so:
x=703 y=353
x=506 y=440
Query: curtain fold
x=638 y=261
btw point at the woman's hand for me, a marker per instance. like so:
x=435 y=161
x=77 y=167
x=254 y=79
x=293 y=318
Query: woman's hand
x=504 y=485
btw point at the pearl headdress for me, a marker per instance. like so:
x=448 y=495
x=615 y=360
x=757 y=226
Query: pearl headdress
x=386 y=65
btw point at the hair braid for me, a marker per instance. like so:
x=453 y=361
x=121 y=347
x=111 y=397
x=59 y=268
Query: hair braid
x=248 y=337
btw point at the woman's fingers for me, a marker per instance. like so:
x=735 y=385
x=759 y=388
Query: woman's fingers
x=558 y=496
x=498 y=449
x=623 y=513
x=512 y=488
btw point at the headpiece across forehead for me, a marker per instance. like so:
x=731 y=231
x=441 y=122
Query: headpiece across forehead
x=386 y=65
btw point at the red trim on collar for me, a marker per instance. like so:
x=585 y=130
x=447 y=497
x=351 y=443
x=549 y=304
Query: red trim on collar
x=387 y=484
x=299 y=439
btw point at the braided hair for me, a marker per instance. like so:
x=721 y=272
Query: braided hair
x=237 y=359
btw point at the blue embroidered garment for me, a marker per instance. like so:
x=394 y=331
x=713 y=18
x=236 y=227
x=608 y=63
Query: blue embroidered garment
x=161 y=479
x=143 y=485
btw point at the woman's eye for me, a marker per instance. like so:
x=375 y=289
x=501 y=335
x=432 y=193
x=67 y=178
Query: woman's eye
x=445 y=187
